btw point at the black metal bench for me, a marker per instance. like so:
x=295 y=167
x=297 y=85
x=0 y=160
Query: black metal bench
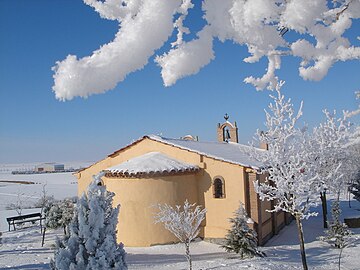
x=24 y=218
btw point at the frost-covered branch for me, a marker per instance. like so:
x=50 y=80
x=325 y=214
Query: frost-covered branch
x=331 y=153
x=135 y=42
x=260 y=25
x=292 y=178
x=182 y=221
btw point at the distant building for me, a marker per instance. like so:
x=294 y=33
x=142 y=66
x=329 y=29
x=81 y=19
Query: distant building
x=49 y=167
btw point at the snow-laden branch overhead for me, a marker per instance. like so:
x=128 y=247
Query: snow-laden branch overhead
x=319 y=29
x=144 y=27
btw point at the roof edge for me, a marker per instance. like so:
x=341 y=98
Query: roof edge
x=151 y=174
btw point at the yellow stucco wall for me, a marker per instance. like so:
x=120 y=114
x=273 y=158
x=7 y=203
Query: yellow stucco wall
x=220 y=210
x=139 y=198
x=136 y=195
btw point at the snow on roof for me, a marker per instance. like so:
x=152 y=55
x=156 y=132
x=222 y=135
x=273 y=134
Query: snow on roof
x=226 y=151
x=151 y=163
x=234 y=153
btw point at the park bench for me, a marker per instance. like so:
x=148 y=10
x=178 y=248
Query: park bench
x=352 y=222
x=24 y=218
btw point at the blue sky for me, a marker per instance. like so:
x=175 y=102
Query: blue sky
x=34 y=126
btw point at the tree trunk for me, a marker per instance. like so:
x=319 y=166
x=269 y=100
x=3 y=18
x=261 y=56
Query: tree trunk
x=301 y=239
x=188 y=256
x=43 y=237
x=349 y=198
x=64 y=230
x=341 y=250
x=324 y=208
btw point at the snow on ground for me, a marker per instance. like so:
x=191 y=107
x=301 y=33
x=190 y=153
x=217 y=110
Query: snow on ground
x=22 y=250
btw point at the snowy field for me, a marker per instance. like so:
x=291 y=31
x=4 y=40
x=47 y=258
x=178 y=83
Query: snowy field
x=12 y=191
x=59 y=185
x=22 y=249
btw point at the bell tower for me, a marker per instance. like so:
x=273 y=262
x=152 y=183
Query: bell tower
x=227 y=132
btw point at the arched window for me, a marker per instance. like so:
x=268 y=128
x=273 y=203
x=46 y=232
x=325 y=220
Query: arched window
x=219 y=188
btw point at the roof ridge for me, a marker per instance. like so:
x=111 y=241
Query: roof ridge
x=235 y=157
x=179 y=139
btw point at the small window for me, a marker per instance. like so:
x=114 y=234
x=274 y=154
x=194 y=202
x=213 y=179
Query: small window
x=219 y=188
x=226 y=134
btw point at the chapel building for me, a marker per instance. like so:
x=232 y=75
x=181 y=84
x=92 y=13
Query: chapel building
x=155 y=170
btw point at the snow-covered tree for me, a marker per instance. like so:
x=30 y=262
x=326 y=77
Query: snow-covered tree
x=292 y=181
x=59 y=214
x=91 y=243
x=67 y=210
x=52 y=214
x=19 y=204
x=318 y=38
x=241 y=239
x=338 y=233
x=331 y=155
x=183 y=222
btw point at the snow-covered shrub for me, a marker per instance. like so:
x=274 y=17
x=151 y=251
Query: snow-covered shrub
x=338 y=231
x=338 y=234
x=91 y=243
x=183 y=222
x=67 y=210
x=241 y=239
x=59 y=214
x=52 y=215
